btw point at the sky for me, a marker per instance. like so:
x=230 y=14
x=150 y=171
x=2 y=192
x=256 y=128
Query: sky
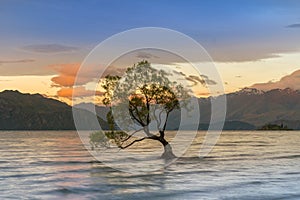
x=43 y=43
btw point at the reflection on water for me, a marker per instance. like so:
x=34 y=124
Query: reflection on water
x=243 y=165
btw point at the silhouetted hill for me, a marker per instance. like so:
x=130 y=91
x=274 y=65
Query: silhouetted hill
x=20 y=111
x=250 y=108
x=247 y=109
x=258 y=107
x=101 y=111
x=174 y=123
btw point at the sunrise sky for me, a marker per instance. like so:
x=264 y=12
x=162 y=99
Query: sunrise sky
x=253 y=43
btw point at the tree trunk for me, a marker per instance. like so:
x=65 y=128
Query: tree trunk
x=168 y=152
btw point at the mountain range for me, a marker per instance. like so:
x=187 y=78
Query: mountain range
x=257 y=107
x=247 y=109
x=20 y=111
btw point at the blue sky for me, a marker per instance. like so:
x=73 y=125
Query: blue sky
x=237 y=34
x=85 y=22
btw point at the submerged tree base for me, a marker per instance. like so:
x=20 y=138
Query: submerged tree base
x=168 y=156
x=168 y=152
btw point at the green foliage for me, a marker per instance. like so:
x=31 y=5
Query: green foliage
x=109 y=85
x=147 y=93
x=274 y=127
x=116 y=136
x=143 y=95
x=98 y=139
x=110 y=120
x=102 y=139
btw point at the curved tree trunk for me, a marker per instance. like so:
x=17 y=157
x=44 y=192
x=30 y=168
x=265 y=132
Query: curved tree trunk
x=168 y=152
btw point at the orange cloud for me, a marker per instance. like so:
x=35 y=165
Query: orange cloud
x=290 y=81
x=78 y=92
x=63 y=80
x=72 y=84
x=66 y=74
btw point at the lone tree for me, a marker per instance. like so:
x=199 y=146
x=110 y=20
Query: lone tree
x=142 y=101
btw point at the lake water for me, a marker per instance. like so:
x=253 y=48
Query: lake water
x=243 y=165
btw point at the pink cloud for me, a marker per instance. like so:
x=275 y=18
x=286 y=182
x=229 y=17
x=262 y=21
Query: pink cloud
x=78 y=92
x=67 y=75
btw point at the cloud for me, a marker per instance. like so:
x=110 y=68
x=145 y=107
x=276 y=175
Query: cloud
x=197 y=79
x=16 y=61
x=78 y=92
x=68 y=73
x=191 y=80
x=49 y=48
x=293 y=26
x=207 y=80
x=179 y=73
x=290 y=81
x=202 y=79
x=203 y=94
x=145 y=55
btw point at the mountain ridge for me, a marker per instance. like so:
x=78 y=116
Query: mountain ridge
x=247 y=109
x=23 y=111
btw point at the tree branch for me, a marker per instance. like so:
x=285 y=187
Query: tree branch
x=165 y=125
x=131 y=135
x=148 y=109
x=139 y=120
x=155 y=118
x=135 y=118
x=159 y=116
x=152 y=137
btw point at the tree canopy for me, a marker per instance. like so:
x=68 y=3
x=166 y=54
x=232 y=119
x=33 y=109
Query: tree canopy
x=141 y=101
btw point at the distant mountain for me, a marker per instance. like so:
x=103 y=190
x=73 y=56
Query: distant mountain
x=20 y=111
x=247 y=109
x=101 y=111
x=258 y=107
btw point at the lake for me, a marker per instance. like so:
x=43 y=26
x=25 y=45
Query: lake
x=243 y=165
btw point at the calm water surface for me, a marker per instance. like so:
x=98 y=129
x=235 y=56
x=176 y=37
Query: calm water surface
x=243 y=165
